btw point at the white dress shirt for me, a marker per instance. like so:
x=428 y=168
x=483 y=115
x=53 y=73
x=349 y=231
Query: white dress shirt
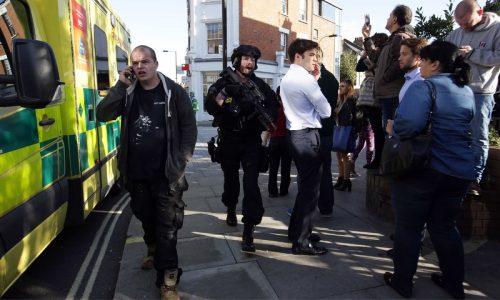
x=410 y=77
x=303 y=101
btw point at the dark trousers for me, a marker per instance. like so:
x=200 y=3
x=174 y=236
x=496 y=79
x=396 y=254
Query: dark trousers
x=432 y=198
x=388 y=107
x=326 y=195
x=161 y=212
x=279 y=151
x=244 y=151
x=374 y=115
x=305 y=146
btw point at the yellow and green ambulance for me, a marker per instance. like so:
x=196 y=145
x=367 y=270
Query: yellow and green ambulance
x=57 y=60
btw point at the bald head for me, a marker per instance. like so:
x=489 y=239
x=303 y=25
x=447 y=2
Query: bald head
x=468 y=14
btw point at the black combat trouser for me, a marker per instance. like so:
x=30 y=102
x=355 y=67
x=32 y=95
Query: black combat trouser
x=279 y=151
x=161 y=212
x=306 y=154
x=244 y=150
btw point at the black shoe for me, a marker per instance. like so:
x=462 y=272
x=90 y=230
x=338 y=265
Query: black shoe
x=474 y=189
x=438 y=280
x=388 y=281
x=340 y=180
x=310 y=249
x=231 y=219
x=346 y=185
x=247 y=244
x=390 y=253
x=314 y=238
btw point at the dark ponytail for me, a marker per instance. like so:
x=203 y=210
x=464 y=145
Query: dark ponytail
x=449 y=60
x=461 y=74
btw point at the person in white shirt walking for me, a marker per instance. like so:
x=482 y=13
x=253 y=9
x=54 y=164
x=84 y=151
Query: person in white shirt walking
x=304 y=105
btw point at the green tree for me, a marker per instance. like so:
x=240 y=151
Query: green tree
x=435 y=27
x=493 y=6
x=348 y=61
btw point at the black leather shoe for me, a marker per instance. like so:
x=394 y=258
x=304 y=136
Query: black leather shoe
x=438 y=280
x=310 y=249
x=231 y=219
x=388 y=280
x=247 y=244
x=314 y=238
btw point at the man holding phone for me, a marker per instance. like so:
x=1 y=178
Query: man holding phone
x=158 y=136
x=478 y=39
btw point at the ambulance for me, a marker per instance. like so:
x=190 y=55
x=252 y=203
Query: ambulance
x=58 y=59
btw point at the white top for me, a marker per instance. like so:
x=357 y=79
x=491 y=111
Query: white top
x=303 y=101
x=410 y=77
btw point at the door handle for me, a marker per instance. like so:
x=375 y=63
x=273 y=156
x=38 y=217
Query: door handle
x=46 y=122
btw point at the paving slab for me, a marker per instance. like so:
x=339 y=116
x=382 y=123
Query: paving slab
x=241 y=281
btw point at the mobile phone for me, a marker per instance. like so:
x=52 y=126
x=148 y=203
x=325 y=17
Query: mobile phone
x=367 y=20
x=131 y=76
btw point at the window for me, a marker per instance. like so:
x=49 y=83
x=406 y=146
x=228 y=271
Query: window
x=284 y=7
x=214 y=38
x=326 y=10
x=101 y=58
x=315 y=34
x=121 y=59
x=209 y=78
x=283 y=41
x=14 y=23
x=303 y=10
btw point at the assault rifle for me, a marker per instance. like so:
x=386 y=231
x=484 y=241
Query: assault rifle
x=250 y=93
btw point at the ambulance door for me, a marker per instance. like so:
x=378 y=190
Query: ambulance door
x=31 y=160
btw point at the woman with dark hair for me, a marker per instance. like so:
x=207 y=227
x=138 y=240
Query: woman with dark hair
x=433 y=195
x=345 y=113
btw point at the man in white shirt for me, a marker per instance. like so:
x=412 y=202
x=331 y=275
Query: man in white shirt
x=409 y=62
x=304 y=105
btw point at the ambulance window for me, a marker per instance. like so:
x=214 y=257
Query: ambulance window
x=121 y=59
x=14 y=23
x=101 y=58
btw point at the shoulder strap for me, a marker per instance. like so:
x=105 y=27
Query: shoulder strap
x=432 y=88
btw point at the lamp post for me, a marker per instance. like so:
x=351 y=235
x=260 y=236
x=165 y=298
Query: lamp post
x=175 y=64
x=330 y=35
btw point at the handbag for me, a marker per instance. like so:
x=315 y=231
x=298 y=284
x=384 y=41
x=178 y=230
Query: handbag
x=344 y=139
x=402 y=157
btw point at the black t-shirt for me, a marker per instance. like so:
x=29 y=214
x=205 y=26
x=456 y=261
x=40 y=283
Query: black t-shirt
x=147 y=136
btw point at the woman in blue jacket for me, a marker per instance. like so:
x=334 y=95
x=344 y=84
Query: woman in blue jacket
x=433 y=196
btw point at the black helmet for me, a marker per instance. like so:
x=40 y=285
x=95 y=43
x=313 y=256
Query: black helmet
x=247 y=50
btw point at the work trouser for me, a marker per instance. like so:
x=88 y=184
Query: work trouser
x=279 y=151
x=161 y=212
x=433 y=198
x=326 y=196
x=244 y=150
x=305 y=146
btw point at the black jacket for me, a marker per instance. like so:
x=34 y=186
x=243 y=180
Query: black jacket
x=180 y=127
x=243 y=123
x=329 y=86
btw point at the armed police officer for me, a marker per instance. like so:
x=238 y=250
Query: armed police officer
x=242 y=105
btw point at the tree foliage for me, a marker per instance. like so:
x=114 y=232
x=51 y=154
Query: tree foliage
x=435 y=27
x=493 y=6
x=348 y=61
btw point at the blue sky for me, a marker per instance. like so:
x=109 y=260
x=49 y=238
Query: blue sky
x=162 y=24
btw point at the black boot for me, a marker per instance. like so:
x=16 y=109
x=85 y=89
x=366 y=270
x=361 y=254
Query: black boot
x=346 y=185
x=340 y=180
x=247 y=241
x=231 y=219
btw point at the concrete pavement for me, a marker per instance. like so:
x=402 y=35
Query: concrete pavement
x=214 y=267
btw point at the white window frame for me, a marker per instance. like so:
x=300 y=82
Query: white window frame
x=303 y=10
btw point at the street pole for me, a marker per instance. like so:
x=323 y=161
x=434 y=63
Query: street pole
x=224 y=35
x=175 y=63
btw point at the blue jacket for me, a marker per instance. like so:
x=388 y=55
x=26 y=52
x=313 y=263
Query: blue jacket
x=451 y=151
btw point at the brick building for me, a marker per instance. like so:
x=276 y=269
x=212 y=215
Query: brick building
x=271 y=25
